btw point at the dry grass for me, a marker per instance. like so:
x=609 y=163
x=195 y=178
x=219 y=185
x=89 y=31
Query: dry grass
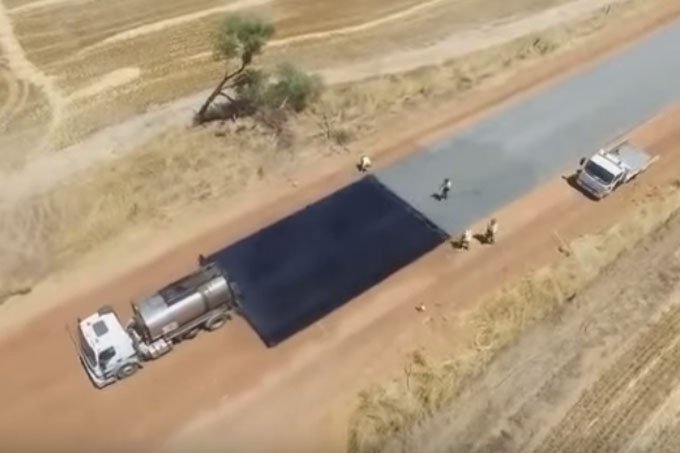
x=24 y=251
x=186 y=167
x=168 y=69
x=386 y=411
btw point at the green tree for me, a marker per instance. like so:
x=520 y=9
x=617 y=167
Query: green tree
x=238 y=40
x=294 y=89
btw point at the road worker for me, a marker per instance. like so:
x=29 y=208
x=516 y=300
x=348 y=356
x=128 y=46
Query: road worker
x=445 y=188
x=491 y=231
x=365 y=163
x=465 y=240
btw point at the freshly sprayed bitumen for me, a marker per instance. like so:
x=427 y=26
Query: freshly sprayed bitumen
x=535 y=138
x=306 y=265
x=301 y=268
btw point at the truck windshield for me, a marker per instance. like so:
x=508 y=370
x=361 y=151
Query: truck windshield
x=87 y=350
x=598 y=172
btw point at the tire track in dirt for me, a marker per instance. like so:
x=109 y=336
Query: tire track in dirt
x=12 y=102
x=352 y=29
x=25 y=71
x=327 y=34
x=608 y=414
x=38 y=4
x=166 y=23
x=343 y=31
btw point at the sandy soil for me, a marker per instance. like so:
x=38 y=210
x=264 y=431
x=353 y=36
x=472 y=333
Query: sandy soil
x=243 y=389
x=595 y=378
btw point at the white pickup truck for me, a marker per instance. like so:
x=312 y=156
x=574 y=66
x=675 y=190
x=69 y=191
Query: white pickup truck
x=609 y=168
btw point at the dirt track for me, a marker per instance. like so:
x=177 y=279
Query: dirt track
x=252 y=389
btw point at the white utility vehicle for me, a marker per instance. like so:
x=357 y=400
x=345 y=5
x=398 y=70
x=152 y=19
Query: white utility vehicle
x=609 y=168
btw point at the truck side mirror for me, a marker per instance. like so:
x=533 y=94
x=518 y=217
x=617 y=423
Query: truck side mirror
x=201 y=260
x=582 y=162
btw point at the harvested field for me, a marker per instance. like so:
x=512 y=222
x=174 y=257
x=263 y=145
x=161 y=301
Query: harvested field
x=112 y=60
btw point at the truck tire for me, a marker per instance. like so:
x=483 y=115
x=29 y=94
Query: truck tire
x=216 y=321
x=190 y=334
x=127 y=370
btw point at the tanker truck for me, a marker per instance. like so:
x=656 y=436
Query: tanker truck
x=290 y=275
x=111 y=351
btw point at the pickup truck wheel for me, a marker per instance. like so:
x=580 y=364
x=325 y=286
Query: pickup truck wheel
x=216 y=321
x=127 y=370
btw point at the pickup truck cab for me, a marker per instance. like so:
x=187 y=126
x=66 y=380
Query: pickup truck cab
x=609 y=168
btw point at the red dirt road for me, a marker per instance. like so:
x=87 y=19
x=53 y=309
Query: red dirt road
x=295 y=396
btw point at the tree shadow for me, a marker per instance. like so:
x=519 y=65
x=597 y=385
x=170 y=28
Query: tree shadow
x=482 y=238
x=227 y=111
x=459 y=244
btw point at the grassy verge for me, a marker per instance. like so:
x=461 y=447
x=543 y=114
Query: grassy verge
x=186 y=167
x=384 y=411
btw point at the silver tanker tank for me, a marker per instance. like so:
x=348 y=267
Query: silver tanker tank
x=180 y=303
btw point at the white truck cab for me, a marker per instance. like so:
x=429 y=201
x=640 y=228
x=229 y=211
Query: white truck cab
x=106 y=350
x=607 y=169
x=600 y=175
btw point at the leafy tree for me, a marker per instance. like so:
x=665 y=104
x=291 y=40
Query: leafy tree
x=293 y=89
x=237 y=41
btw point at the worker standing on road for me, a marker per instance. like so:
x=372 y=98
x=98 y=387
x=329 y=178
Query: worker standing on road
x=491 y=231
x=365 y=163
x=465 y=240
x=445 y=188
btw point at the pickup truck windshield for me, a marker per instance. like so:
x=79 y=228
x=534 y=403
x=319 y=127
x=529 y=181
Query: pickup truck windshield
x=598 y=172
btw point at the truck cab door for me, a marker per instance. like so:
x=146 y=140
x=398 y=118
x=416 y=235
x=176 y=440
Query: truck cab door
x=106 y=361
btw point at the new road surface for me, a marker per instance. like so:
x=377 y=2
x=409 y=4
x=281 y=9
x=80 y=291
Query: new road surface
x=534 y=139
x=301 y=268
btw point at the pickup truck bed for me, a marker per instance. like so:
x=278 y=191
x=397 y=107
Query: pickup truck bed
x=632 y=157
x=294 y=272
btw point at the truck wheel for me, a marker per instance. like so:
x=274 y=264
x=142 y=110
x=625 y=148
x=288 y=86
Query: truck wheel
x=190 y=334
x=127 y=370
x=216 y=321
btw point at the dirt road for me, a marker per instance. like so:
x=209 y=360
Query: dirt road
x=243 y=389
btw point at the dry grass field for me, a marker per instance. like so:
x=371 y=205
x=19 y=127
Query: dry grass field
x=111 y=60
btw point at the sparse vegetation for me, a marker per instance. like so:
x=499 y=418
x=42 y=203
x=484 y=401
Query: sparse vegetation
x=248 y=89
x=384 y=412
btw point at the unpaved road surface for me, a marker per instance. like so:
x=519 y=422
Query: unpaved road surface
x=601 y=377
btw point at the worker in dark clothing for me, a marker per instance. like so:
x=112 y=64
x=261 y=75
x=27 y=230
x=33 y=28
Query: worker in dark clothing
x=491 y=231
x=445 y=188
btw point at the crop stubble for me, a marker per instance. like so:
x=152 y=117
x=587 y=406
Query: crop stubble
x=57 y=38
x=609 y=413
